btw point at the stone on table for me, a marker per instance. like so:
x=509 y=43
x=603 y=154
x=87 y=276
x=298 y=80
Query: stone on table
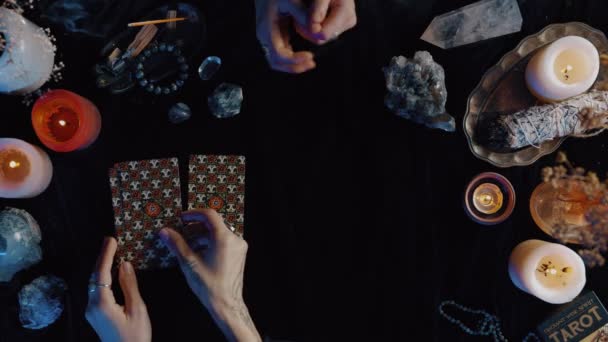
x=41 y=302
x=469 y=24
x=19 y=242
x=226 y=100
x=417 y=92
x=209 y=67
x=179 y=113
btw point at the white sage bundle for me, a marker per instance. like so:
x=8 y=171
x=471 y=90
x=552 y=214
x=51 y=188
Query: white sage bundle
x=581 y=116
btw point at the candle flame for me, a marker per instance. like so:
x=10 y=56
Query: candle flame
x=13 y=164
x=62 y=123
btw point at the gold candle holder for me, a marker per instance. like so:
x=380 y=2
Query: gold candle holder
x=489 y=199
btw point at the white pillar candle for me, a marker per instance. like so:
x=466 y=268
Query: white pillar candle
x=25 y=170
x=549 y=271
x=567 y=67
x=26 y=61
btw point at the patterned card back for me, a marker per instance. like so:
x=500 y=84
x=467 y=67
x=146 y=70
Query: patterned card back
x=146 y=198
x=218 y=182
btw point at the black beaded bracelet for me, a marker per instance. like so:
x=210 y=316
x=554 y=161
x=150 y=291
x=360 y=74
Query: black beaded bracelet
x=150 y=85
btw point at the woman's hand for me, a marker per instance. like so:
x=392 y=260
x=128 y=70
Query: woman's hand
x=215 y=274
x=320 y=23
x=113 y=322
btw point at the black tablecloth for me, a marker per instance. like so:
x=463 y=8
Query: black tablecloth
x=354 y=216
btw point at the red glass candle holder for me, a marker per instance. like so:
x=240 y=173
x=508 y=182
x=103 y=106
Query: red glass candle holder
x=65 y=121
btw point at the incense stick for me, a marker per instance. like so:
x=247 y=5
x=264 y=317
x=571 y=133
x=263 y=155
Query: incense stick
x=159 y=21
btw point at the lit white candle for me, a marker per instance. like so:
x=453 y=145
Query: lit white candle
x=549 y=271
x=26 y=62
x=567 y=67
x=25 y=170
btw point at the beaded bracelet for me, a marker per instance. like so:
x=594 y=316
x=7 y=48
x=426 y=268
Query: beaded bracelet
x=151 y=86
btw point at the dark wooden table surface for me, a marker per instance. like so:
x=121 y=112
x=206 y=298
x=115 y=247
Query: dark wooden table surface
x=354 y=216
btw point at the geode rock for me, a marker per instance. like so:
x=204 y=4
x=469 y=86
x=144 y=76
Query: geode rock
x=19 y=242
x=41 y=302
x=416 y=91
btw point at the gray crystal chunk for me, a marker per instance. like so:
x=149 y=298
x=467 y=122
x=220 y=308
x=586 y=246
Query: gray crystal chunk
x=416 y=91
x=179 y=113
x=226 y=100
x=21 y=236
x=209 y=67
x=479 y=21
x=41 y=302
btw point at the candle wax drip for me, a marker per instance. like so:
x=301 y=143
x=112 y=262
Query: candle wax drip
x=551 y=272
x=14 y=166
x=571 y=67
x=487 y=198
x=63 y=124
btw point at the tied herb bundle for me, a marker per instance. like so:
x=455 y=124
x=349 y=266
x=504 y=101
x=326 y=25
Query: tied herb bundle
x=581 y=116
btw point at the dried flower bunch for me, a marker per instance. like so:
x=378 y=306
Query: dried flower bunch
x=593 y=237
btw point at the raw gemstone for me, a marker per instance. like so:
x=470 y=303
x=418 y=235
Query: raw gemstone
x=226 y=100
x=41 y=302
x=179 y=113
x=21 y=236
x=416 y=91
x=479 y=21
x=209 y=67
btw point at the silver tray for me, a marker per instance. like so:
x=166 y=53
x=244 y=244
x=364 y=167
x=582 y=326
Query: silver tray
x=503 y=89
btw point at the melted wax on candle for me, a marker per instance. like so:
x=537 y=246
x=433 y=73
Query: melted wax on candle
x=63 y=124
x=14 y=166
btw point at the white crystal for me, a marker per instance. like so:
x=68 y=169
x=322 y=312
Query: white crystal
x=479 y=21
x=21 y=236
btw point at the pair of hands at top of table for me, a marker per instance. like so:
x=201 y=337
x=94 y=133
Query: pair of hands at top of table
x=319 y=23
x=215 y=275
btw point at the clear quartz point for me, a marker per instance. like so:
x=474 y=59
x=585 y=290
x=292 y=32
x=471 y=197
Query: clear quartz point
x=478 y=21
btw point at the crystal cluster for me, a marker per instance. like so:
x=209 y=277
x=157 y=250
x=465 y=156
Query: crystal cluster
x=416 y=91
x=41 y=302
x=479 y=21
x=19 y=242
x=226 y=100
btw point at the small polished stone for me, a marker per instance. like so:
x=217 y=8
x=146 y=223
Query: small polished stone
x=226 y=100
x=179 y=113
x=210 y=66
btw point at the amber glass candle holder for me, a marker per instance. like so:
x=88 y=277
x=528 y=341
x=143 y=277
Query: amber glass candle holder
x=489 y=199
x=563 y=205
x=65 y=121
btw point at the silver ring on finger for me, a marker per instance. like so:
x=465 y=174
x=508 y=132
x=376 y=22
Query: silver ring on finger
x=93 y=286
x=266 y=51
x=234 y=230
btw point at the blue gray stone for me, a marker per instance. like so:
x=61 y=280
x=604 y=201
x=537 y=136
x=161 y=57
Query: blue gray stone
x=179 y=113
x=209 y=67
x=226 y=100
x=416 y=91
x=21 y=236
x=41 y=302
x=479 y=21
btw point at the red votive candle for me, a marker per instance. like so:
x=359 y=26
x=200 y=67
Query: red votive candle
x=65 y=121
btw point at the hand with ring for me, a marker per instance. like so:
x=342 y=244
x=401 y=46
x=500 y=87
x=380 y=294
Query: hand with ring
x=113 y=322
x=320 y=23
x=215 y=272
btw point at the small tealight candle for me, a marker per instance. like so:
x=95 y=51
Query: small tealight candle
x=567 y=67
x=65 y=121
x=489 y=198
x=552 y=272
x=25 y=170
